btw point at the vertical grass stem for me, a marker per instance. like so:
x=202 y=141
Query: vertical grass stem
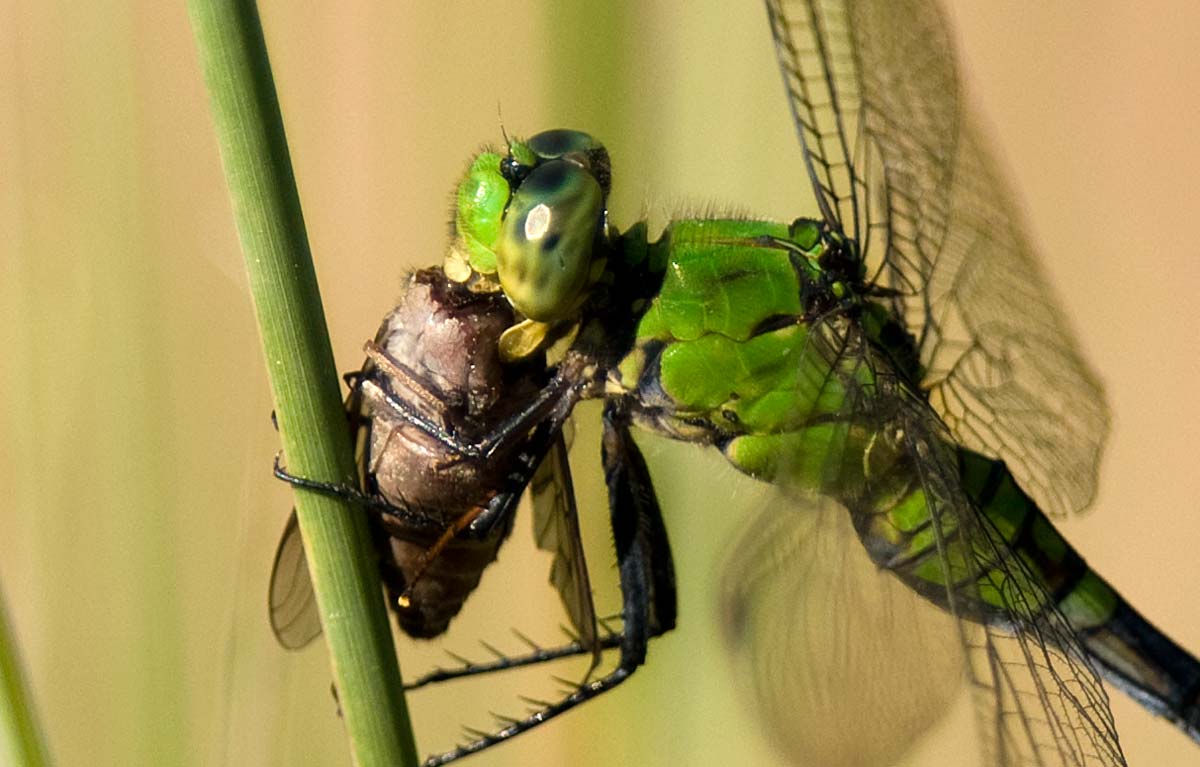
x=304 y=381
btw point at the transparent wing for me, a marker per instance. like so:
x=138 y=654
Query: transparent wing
x=291 y=601
x=824 y=639
x=1038 y=701
x=898 y=164
x=1037 y=697
x=556 y=529
x=813 y=46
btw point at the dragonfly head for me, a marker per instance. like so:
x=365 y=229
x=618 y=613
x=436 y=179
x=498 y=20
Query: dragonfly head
x=529 y=222
x=545 y=253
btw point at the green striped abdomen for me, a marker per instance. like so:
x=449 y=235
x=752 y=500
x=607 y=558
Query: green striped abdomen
x=726 y=355
x=1126 y=648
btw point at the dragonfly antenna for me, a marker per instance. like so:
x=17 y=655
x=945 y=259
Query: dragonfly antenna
x=504 y=133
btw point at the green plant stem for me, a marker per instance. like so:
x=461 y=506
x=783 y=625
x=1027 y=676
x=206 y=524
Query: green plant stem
x=308 y=406
x=21 y=742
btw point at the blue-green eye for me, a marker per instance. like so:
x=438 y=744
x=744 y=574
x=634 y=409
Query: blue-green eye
x=552 y=144
x=544 y=256
x=577 y=146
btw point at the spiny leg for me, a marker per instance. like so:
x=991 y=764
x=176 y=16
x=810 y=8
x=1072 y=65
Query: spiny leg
x=646 y=571
x=536 y=654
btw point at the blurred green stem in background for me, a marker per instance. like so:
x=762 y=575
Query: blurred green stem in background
x=312 y=423
x=21 y=742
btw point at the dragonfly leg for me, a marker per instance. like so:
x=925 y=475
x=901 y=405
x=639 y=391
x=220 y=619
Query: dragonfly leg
x=537 y=654
x=525 y=464
x=643 y=549
x=335 y=489
x=536 y=425
x=549 y=410
x=349 y=493
x=646 y=570
x=553 y=403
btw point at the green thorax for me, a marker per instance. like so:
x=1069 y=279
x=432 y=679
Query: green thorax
x=754 y=346
x=727 y=348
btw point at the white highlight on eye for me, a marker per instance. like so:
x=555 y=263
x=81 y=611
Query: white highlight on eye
x=537 y=223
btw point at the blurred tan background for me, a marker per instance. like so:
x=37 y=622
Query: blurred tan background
x=138 y=517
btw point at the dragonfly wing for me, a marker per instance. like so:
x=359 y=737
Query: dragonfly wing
x=819 y=74
x=1038 y=699
x=1039 y=702
x=823 y=639
x=293 y=605
x=875 y=94
x=556 y=529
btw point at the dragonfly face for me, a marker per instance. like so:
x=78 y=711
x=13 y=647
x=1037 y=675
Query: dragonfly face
x=546 y=253
x=534 y=224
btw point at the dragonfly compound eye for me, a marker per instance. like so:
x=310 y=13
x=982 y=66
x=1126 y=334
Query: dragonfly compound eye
x=544 y=256
x=577 y=146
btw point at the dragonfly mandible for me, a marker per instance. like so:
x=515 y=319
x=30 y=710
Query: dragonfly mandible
x=897 y=368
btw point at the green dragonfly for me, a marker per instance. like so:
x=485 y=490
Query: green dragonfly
x=896 y=370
